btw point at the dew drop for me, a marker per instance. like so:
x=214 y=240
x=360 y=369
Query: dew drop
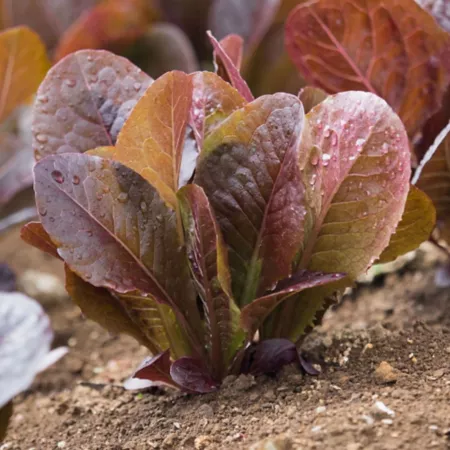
x=385 y=147
x=52 y=219
x=137 y=86
x=76 y=179
x=159 y=218
x=90 y=58
x=334 y=139
x=71 y=83
x=58 y=176
x=43 y=211
x=326 y=131
x=360 y=142
x=42 y=138
x=315 y=159
x=123 y=197
x=99 y=196
x=143 y=206
x=42 y=98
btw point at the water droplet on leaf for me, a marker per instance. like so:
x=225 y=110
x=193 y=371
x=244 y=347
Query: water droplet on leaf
x=58 y=176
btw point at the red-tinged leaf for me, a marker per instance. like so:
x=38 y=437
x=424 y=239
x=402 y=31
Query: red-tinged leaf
x=152 y=140
x=114 y=231
x=213 y=100
x=416 y=226
x=269 y=356
x=254 y=314
x=7 y=279
x=16 y=167
x=433 y=177
x=250 y=174
x=191 y=375
x=48 y=18
x=250 y=19
x=390 y=47
x=311 y=97
x=25 y=342
x=439 y=9
x=156 y=369
x=33 y=233
x=355 y=163
x=208 y=258
x=232 y=72
x=109 y=25
x=233 y=45
x=84 y=101
x=23 y=64
x=164 y=48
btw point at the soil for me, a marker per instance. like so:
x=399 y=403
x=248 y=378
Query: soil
x=385 y=381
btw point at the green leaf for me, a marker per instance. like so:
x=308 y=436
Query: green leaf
x=416 y=226
x=250 y=174
x=208 y=258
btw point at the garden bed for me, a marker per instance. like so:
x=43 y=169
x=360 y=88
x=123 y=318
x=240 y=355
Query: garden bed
x=79 y=403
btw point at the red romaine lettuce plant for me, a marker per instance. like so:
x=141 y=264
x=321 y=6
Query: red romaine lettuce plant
x=195 y=219
x=25 y=340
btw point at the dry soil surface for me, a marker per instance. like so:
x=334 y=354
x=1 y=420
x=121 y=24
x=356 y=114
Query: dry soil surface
x=385 y=381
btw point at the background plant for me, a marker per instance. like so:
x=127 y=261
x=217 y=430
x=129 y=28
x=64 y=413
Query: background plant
x=393 y=48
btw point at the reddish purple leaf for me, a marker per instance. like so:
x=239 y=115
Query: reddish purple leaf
x=113 y=230
x=254 y=314
x=208 y=257
x=16 y=167
x=392 y=48
x=156 y=369
x=84 y=101
x=233 y=45
x=249 y=171
x=191 y=375
x=233 y=73
x=269 y=356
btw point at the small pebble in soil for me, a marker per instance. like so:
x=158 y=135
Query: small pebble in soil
x=381 y=411
x=385 y=373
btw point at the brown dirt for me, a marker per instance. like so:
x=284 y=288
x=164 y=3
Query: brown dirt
x=402 y=319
